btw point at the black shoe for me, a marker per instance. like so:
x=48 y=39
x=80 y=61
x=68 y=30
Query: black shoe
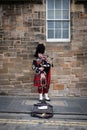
x=47 y=99
x=41 y=100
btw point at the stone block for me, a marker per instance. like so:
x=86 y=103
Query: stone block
x=84 y=92
x=37 y=22
x=4 y=82
x=81 y=85
x=28 y=23
x=57 y=86
x=4 y=70
x=3 y=48
x=40 y=37
x=36 y=29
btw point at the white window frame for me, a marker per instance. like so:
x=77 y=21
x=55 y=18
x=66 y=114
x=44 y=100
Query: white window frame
x=56 y=40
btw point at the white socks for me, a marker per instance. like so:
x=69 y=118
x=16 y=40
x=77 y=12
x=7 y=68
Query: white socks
x=40 y=96
x=46 y=97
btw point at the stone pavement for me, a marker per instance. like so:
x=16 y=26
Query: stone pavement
x=69 y=113
x=61 y=105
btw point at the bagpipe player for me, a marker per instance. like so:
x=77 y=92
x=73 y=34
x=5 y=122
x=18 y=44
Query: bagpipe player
x=42 y=69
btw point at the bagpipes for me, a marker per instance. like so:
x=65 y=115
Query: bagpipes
x=43 y=62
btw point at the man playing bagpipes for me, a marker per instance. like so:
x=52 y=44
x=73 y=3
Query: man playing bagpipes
x=42 y=77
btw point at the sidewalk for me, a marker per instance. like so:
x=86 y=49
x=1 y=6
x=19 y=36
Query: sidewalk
x=61 y=105
x=70 y=113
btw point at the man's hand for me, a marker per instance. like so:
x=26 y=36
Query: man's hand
x=41 y=68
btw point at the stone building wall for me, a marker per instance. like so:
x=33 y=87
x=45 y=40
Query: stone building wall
x=22 y=27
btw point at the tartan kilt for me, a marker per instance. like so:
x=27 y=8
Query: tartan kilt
x=37 y=79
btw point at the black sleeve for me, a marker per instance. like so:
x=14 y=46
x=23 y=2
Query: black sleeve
x=35 y=67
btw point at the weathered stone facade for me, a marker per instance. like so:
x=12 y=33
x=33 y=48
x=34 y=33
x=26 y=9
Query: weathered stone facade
x=22 y=27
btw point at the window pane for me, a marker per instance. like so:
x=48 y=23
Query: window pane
x=65 y=33
x=65 y=14
x=57 y=24
x=50 y=24
x=58 y=4
x=50 y=33
x=50 y=4
x=65 y=25
x=65 y=4
x=57 y=14
x=58 y=33
x=50 y=14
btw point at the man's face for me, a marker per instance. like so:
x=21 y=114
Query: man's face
x=40 y=55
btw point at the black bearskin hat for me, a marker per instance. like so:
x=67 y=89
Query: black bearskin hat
x=39 y=49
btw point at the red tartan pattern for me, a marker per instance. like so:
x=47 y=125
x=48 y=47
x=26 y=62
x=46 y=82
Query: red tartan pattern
x=37 y=79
